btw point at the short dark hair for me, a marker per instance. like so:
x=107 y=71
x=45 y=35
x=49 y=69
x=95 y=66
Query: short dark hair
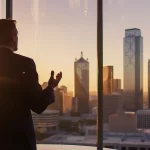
x=6 y=28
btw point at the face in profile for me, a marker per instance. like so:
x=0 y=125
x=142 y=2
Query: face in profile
x=15 y=39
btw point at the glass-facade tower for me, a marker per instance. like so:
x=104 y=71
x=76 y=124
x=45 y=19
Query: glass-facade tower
x=107 y=80
x=149 y=83
x=116 y=85
x=133 y=70
x=81 y=76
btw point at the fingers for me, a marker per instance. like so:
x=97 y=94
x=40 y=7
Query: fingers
x=52 y=74
x=59 y=76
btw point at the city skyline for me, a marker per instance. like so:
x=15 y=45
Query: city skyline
x=67 y=23
x=62 y=36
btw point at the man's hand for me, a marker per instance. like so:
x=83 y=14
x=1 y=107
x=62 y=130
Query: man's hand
x=54 y=82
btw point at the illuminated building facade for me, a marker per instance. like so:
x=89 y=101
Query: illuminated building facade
x=133 y=70
x=107 y=80
x=81 y=79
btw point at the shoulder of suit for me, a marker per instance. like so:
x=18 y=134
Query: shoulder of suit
x=23 y=58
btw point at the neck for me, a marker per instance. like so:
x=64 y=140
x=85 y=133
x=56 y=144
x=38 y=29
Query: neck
x=7 y=46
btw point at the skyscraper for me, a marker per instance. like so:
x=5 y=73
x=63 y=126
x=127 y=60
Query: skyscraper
x=133 y=70
x=149 y=83
x=81 y=79
x=117 y=85
x=59 y=103
x=64 y=88
x=107 y=80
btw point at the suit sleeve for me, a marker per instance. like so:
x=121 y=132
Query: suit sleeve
x=38 y=99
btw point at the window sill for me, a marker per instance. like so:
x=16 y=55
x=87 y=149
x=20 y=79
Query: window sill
x=65 y=147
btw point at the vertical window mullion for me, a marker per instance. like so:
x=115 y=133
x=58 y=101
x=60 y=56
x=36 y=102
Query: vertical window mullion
x=100 y=74
x=9 y=9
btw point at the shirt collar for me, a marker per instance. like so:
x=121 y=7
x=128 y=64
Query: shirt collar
x=8 y=47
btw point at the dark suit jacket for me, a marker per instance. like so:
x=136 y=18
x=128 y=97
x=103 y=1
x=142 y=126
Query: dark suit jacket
x=20 y=93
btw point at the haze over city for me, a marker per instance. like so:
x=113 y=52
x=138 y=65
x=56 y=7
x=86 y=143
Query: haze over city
x=61 y=35
x=62 y=29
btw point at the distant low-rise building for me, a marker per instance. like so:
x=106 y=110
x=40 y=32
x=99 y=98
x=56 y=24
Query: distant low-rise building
x=111 y=103
x=94 y=110
x=90 y=131
x=143 y=119
x=47 y=121
x=125 y=122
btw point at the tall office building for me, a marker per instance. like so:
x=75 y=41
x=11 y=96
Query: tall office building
x=59 y=103
x=133 y=70
x=117 y=85
x=149 y=83
x=64 y=88
x=107 y=80
x=81 y=79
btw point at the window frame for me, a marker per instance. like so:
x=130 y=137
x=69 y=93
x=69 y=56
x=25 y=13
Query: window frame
x=9 y=15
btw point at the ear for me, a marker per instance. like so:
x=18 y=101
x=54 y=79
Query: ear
x=14 y=34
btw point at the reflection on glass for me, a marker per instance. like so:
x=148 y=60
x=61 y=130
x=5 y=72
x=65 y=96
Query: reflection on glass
x=2 y=9
x=133 y=70
x=53 y=33
x=126 y=48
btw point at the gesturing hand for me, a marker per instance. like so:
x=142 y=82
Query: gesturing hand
x=54 y=82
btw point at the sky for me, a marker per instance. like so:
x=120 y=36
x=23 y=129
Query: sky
x=54 y=32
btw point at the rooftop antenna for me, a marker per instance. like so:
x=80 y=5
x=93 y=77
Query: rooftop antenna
x=81 y=54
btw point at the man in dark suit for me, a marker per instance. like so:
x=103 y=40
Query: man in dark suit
x=20 y=92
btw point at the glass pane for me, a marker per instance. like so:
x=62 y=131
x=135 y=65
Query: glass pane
x=61 y=36
x=2 y=9
x=126 y=74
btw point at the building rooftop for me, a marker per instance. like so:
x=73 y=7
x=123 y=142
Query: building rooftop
x=107 y=66
x=48 y=112
x=127 y=138
x=143 y=111
x=131 y=29
x=75 y=119
x=90 y=127
x=133 y=32
x=109 y=138
x=81 y=59
x=66 y=147
x=114 y=93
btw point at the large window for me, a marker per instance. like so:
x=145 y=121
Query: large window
x=126 y=53
x=61 y=36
